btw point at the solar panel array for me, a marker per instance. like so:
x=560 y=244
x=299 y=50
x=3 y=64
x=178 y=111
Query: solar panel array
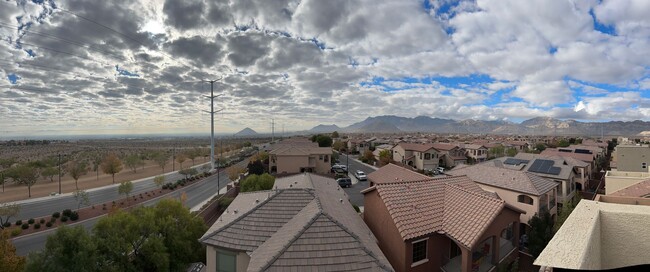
x=583 y=151
x=544 y=167
x=513 y=161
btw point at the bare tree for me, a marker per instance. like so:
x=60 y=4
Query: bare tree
x=180 y=158
x=27 y=175
x=161 y=159
x=76 y=170
x=7 y=211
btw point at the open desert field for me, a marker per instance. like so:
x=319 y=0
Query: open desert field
x=45 y=158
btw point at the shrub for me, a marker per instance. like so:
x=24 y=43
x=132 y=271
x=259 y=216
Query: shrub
x=30 y=221
x=67 y=212
x=104 y=208
x=19 y=222
x=56 y=215
x=37 y=226
x=48 y=224
x=74 y=216
x=356 y=208
x=53 y=219
x=6 y=224
x=64 y=218
x=225 y=201
x=24 y=226
x=42 y=221
x=16 y=232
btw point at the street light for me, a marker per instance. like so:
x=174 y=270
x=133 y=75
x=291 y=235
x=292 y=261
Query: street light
x=60 y=173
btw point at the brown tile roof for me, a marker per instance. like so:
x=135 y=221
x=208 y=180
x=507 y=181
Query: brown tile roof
x=448 y=205
x=395 y=173
x=416 y=147
x=579 y=156
x=301 y=151
x=506 y=178
x=641 y=189
x=444 y=146
x=286 y=231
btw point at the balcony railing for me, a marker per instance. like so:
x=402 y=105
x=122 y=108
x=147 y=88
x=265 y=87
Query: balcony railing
x=505 y=248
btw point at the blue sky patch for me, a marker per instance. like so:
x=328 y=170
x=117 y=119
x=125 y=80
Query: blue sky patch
x=607 y=29
x=124 y=72
x=13 y=78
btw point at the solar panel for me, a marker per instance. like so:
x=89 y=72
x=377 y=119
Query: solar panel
x=555 y=170
x=513 y=161
x=542 y=166
x=583 y=151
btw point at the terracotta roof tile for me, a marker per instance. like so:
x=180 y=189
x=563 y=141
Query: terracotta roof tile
x=506 y=178
x=641 y=189
x=450 y=205
x=444 y=146
x=416 y=147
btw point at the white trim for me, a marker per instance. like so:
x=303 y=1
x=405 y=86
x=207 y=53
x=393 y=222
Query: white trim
x=419 y=262
x=426 y=252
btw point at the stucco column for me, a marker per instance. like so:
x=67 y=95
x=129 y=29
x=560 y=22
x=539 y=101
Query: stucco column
x=496 y=249
x=466 y=262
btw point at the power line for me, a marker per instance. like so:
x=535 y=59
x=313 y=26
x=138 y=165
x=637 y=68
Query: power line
x=49 y=69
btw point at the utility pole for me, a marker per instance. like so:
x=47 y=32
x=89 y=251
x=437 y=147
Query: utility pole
x=212 y=112
x=58 y=174
x=173 y=159
x=272 y=130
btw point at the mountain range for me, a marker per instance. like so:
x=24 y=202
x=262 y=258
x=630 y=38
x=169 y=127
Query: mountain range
x=246 y=132
x=536 y=126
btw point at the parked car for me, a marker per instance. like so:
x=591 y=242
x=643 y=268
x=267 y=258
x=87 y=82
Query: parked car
x=360 y=175
x=441 y=170
x=344 y=182
x=339 y=167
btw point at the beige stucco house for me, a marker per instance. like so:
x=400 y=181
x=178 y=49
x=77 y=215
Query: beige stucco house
x=476 y=151
x=631 y=167
x=418 y=156
x=292 y=159
x=306 y=223
x=528 y=192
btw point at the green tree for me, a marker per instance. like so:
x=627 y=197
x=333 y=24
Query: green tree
x=188 y=172
x=368 y=157
x=133 y=161
x=234 y=171
x=125 y=188
x=335 y=134
x=81 y=197
x=68 y=249
x=96 y=163
x=7 y=211
x=76 y=170
x=563 y=143
x=338 y=146
x=257 y=183
x=540 y=147
x=496 y=152
x=9 y=261
x=541 y=232
x=159 y=180
x=111 y=165
x=26 y=175
x=50 y=172
x=255 y=167
x=384 y=157
x=161 y=158
x=322 y=140
x=567 y=209
x=511 y=152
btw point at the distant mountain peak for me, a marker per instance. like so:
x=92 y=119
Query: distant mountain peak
x=325 y=128
x=246 y=132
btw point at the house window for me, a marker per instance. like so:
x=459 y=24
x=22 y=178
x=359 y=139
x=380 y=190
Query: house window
x=419 y=252
x=454 y=250
x=320 y=157
x=644 y=165
x=427 y=156
x=226 y=262
x=525 y=199
x=327 y=158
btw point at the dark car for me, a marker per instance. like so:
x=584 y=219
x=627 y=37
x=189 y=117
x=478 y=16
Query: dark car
x=344 y=182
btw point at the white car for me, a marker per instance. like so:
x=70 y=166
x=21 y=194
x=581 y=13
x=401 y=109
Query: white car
x=360 y=175
x=440 y=170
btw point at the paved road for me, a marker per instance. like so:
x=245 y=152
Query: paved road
x=45 y=206
x=196 y=194
x=354 y=192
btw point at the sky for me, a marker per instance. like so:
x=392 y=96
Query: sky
x=138 y=67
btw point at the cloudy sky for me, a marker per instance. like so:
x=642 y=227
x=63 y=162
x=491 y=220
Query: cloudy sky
x=100 y=67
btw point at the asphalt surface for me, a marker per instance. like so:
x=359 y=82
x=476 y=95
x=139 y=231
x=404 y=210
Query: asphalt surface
x=354 y=192
x=45 y=206
x=196 y=194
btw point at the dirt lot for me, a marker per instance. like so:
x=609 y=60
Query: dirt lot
x=15 y=192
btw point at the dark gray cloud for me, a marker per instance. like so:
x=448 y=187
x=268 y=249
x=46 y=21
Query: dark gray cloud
x=196 y=49
x=247 y=47
x=184 y=14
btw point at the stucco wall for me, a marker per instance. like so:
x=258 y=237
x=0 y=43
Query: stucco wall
x=511 y=197
x=630 y=158
x=624 y=237
x=376 y=216
x=291 y=164
x=617 y=180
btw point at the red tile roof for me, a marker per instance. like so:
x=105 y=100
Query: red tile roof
x=416 y=147
x=578 y=156
x=444 y=146
x=445 y=205
x=641 y=189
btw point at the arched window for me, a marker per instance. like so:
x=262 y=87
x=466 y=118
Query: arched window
x=525 y=199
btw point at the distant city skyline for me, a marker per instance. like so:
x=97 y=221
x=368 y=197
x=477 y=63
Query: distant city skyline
x=75 y=67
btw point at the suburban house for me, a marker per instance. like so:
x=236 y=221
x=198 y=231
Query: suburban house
x=304 y=224
x=476 y=151
x=450 y=154
x=528 y=192
x=583 y=170
x=418 y=156
x=439 y=224
x=520 y=146
x=296 y=159
x=632 y=167
x=607 y=233
x=553 y=168
x=380 y=148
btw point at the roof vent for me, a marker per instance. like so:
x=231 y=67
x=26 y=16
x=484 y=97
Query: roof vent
x=235 y=211
x=295 y=182
x=290 y=185
x=257 y=201
x=341 y=200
